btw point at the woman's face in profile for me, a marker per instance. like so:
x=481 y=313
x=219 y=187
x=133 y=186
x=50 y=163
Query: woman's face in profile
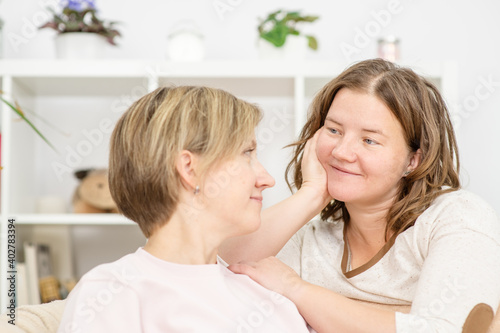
x=362 y=149
x=233 y=190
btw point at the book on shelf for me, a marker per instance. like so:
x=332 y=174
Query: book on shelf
x=31 y=273
x=22 y=295
x=43 y=286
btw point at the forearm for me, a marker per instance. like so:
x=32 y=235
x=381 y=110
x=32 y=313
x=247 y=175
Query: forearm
x=279 y=223
x=327 y=311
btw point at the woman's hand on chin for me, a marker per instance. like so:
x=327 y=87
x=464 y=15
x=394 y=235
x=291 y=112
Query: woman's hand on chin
x=272 y=274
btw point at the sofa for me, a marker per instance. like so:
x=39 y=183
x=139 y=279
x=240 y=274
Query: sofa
x=45 y=318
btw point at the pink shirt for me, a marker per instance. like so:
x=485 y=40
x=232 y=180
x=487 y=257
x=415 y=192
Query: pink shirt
x=141 y=293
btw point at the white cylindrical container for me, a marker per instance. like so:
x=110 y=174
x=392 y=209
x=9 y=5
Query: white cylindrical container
x=388 y=48
x=186 y=43
x=51 y=205
x=80 y=45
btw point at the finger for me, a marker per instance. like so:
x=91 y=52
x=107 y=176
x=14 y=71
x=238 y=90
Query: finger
x=314 y=140
x=240 y=268
x=311 y=144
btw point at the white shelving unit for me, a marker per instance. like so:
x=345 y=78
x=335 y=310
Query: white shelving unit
x=83 y=100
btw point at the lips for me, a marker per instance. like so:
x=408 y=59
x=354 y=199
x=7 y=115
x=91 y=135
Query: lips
x=344 y=171
x=256 y=198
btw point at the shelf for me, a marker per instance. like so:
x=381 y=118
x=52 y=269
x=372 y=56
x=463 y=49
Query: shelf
x=78 y=86
x=144 y=68
x=72 y=219
x=214 y=69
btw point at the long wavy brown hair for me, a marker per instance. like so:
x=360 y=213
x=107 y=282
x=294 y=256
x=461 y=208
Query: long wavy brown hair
x=421 y=111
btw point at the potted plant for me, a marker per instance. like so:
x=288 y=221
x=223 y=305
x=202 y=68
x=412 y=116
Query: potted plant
x=279 y=31
x=80 y=33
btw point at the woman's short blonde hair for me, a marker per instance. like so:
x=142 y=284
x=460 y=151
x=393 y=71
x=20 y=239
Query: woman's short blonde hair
x=424 y=117
x=147 y=139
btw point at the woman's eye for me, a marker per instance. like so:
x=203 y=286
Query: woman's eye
x=249 y=151
x=333 y=130
x=370 y=142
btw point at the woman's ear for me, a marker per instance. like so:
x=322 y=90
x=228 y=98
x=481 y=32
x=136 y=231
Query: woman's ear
x=415 y=159
x=186 y=164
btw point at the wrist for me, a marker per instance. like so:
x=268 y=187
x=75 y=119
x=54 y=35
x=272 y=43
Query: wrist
x=315 y=196
x=297 y=290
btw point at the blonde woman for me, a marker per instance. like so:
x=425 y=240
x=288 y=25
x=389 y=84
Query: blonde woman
x=183 y=166
x=399 y=229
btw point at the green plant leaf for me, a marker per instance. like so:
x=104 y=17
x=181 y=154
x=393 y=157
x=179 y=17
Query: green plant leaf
x=310 y=18
x=276 y=30
x=21 y=114
x=72 y=27
x=276 y=36
x=292 y=16
x=312 y=42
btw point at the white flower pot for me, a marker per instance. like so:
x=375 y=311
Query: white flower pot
x=294 y=48
x=80 y=45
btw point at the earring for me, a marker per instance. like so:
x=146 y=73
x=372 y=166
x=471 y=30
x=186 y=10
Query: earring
x=196 y=190
x=406 y=173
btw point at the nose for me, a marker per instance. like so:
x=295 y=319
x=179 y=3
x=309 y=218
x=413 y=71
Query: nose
x=344 y=149
x=264 y=179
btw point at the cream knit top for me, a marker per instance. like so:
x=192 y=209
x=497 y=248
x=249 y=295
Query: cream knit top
x=443 y=266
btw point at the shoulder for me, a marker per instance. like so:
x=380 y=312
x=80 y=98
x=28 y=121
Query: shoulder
x=123 y=270
x=320 y=229
x=101 y=294
x=463 y=203
x=461 y=209
x=461 y=198
x=308 y=240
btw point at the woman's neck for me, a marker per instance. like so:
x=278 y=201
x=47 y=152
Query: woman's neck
x=367 y=224
x=185 y=241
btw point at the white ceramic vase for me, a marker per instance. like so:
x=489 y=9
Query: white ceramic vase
x=294 y=49
x=80 y=45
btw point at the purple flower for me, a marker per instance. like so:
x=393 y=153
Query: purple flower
x=78 y=5
x=91 y=4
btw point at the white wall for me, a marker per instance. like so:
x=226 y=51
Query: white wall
x=463 y=31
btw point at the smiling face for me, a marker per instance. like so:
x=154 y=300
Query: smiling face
x=363 y=149
x=233 y=190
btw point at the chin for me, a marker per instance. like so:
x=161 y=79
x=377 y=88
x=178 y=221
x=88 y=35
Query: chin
x=255 y=225
x=249 y=227
x=339 y=195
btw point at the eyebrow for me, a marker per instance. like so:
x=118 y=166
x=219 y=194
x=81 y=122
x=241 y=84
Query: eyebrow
x=369 y=130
